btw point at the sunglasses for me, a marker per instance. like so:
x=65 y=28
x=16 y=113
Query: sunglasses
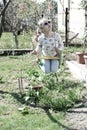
x=46 y=23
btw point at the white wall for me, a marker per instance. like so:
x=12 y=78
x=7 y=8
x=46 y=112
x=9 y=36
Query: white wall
x=77 y=16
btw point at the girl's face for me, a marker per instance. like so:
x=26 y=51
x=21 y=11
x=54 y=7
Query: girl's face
x=46 y=26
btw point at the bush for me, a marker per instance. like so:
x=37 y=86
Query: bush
x=56 y=95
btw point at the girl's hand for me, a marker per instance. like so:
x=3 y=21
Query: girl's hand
x=57 y=51
x=33 y=52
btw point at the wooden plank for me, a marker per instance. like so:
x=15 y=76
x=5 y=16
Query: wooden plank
x=5 y=52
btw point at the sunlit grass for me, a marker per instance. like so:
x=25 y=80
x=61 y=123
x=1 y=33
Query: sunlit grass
x=35 y=120
x=7 y=41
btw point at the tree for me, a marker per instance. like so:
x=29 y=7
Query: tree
x=2 y=15
x=21 y=16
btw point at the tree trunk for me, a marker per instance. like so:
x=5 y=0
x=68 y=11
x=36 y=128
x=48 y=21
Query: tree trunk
x=1 y=30
x=2 y=16
x=2 y=24
x=16 y=40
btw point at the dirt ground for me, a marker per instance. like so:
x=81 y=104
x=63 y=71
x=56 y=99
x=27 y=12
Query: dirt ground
x=76 y=118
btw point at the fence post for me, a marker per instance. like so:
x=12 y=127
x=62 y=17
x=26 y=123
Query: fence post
x=85 y=20
x=66 y=26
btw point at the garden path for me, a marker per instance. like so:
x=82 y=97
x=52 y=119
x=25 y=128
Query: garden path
x=77 y=116
x=79 y=71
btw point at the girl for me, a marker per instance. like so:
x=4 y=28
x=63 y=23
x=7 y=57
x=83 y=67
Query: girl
x=50 y=44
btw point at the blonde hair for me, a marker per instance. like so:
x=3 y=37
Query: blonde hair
x=38 y=33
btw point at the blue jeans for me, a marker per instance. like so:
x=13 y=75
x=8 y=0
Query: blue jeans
x=50 y=66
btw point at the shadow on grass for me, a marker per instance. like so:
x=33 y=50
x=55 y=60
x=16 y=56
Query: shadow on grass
x=17 y=96
x=56 y=121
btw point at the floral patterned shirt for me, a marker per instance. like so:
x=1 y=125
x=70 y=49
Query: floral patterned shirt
x=47 y=44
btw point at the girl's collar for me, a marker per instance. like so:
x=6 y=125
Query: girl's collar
x=49 y=36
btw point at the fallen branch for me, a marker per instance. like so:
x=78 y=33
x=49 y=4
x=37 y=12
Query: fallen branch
x=73 y=37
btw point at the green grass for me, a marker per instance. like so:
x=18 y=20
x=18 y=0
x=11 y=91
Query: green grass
x=7 y=41
x=11 y=118
x=36 y=120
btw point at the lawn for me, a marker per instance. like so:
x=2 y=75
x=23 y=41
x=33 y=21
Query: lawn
x=7 y=41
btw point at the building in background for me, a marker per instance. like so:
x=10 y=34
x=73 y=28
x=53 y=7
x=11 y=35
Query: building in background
x=77 y=16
